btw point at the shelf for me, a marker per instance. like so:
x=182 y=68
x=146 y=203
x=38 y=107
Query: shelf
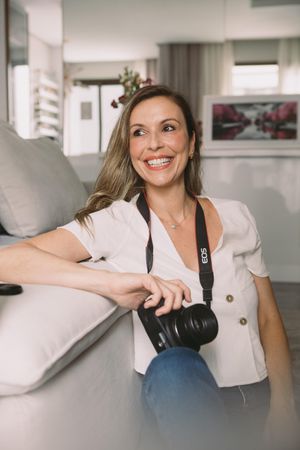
x=43 y=93
x=48 y=120
x=49 y=132
x=46 y=105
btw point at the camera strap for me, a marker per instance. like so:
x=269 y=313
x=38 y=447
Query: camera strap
x=206 y=276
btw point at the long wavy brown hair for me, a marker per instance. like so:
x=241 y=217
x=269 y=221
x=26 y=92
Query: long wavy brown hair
x=117 y=179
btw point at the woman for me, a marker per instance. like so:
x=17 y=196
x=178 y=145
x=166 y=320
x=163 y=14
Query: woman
x=154 y=149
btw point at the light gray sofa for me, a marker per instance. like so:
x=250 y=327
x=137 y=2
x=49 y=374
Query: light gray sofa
x=66 y=356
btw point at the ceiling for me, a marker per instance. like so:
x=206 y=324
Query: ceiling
x=112 y=30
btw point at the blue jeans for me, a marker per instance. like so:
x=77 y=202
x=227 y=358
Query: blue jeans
x=185 y=405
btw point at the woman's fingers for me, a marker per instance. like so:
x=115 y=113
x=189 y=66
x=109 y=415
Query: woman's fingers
x=130 y=290
x=173 y=293
x=186 y=290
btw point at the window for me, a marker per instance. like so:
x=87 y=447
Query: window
x=255 y=79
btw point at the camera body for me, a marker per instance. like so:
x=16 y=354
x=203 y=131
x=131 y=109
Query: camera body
x=186 y=327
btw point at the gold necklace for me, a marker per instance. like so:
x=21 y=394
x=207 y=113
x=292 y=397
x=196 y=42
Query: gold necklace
x=175 y=225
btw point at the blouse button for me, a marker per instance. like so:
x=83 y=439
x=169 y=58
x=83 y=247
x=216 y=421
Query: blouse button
x=243 y=321
x=229 y=298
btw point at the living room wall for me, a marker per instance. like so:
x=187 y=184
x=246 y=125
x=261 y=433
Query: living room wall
x=271 y=189
x=105 y=69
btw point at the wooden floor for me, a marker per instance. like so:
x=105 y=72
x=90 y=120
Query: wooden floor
x=288 y=298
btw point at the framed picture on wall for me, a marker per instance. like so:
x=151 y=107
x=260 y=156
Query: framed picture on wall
x=251 y=125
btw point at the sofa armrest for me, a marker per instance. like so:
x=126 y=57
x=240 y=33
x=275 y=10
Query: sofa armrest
x=45 y=328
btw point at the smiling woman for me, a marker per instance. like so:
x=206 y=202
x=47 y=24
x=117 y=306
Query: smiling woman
x=199 y=250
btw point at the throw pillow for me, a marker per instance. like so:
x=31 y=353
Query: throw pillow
x=39 y=189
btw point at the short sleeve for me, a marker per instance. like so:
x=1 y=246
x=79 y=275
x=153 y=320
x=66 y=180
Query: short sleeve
x=106 y=231
x=253 y=256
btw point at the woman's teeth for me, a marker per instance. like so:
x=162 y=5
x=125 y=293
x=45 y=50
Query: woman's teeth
x=159 y=162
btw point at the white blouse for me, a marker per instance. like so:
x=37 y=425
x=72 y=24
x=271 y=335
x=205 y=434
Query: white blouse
x=120 y=236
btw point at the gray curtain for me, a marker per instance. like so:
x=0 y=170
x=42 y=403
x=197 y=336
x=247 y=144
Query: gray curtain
x=179 y=69
x=152 y=69
x=196 y=70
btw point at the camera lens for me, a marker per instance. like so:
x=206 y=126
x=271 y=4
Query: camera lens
x=195 y=326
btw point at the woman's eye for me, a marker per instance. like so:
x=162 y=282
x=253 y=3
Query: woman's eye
x=138 y=132
x=168 y=128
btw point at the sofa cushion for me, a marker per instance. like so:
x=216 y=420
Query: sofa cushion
x=45 y=328
x=39 y=189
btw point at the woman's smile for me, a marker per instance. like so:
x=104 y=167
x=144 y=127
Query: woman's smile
x=159 y=142
x=159 y=163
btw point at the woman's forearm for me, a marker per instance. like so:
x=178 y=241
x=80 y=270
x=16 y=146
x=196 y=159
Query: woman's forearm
x=24 y=263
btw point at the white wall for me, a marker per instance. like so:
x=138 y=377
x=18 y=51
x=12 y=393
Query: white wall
x=102 y=70
x=39 y=55
x=271 y=189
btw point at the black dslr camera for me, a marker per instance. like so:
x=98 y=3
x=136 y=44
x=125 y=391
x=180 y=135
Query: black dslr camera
x=186 y=327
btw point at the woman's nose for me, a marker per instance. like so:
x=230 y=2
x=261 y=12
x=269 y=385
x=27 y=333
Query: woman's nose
x=154 y=142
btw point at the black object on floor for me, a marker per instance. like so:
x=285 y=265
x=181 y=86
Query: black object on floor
x=10 y=289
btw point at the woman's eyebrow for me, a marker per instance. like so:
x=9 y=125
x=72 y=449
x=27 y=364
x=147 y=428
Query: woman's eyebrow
x=170 y=118
x=136 y=125
x=163 y=121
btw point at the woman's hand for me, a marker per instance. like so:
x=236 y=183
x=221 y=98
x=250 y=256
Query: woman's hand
x=129 y=290
x=282 y=428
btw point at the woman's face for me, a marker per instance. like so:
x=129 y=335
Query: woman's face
x=159 y=144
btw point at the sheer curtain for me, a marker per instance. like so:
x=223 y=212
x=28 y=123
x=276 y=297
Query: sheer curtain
x=216 y=62
x=196 y=70
x=289 y=66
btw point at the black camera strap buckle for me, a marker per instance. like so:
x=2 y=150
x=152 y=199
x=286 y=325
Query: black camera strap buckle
x=207 y=297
